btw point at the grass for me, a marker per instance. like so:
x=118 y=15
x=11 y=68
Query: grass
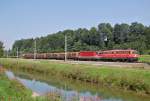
x=137 y=80
x=80 y=86
x=12 y=90
x=144 y=58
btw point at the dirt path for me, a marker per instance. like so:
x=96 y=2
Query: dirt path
x=111 y=64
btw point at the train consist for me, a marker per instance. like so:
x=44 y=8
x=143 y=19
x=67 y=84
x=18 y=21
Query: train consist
x=109 y=55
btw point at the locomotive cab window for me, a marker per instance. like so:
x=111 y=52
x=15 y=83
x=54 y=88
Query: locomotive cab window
x=134 y=52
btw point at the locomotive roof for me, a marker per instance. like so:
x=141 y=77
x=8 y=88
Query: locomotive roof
x=119 y=50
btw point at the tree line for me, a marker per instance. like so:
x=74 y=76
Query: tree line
x=103 y=37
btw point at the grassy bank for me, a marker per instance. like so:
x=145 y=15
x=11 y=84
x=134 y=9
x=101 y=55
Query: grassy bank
x=144 y=58
x=137 y=80
x=13 y=90
x=79 y=86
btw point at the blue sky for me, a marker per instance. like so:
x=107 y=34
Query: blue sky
x=34 y=18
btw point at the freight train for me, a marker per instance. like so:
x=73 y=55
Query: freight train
x=107 y=55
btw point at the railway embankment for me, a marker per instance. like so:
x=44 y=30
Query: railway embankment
x=137 y=80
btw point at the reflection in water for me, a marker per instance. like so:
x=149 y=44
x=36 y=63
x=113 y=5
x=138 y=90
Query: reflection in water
x=43 y=88
x=66 y=92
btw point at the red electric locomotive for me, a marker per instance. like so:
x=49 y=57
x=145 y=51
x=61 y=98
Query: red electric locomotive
x=123 y=55
x=113 y=55
x=88 y=55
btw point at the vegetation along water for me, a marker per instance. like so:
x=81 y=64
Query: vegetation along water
x=137 y=80
x=13 y=90
x=70 y=90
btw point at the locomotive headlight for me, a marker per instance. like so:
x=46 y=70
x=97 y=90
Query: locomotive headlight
x=135 y=55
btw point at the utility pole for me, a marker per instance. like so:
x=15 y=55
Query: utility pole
x=7 y=53
x=65 y=47
x=17 y=53
x=35 y=49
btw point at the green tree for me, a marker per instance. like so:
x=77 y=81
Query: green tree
x=147 y=35
x=120 y=33
x=105 y=31
x=1 y=49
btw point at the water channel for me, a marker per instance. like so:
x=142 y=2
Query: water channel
x=70 y=89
